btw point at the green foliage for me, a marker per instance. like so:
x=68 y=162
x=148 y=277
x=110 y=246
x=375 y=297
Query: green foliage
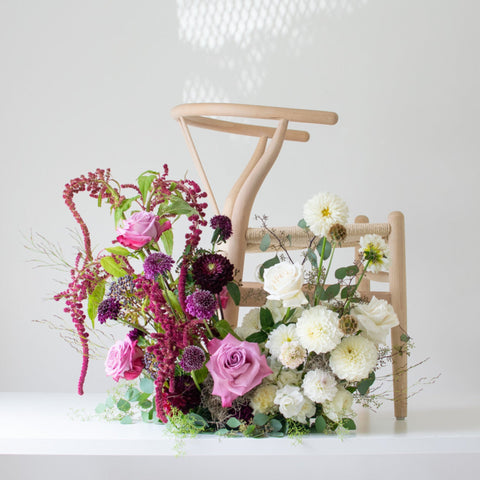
x=404 y=337
x=265 y=242
x=167 y=240
x=94 y=300
x=266 y=265
x=111 y=266
x=302 y=224
x=365 y=384
x=349 y=424
x=200 y=375
x=234 y=292
x=347 y=291
x=224 y=328
x=312 y=258
x=233 y=422
x=144 y=183
x=266 y=320
x=260 y=419
x=127 y=420
x=320 y=424
x=122 y=251
x=257 y=337
x=327 y=248
x=124 y=206
x=146 y=385
x=123 y=405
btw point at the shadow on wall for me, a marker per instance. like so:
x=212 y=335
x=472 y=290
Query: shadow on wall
x=231 y=40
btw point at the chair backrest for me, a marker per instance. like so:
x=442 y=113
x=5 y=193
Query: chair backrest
x=239 y=203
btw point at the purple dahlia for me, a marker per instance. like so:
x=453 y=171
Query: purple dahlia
x=212 y=272
x=224 y=226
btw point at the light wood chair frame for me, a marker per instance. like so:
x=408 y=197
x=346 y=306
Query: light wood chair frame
x=239 y=203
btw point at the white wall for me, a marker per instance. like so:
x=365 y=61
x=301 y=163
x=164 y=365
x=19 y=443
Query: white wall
x=90 y=84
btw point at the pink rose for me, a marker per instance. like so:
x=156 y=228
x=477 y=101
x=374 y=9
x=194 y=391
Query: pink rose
x=236 y=367
x=124 y=360
x=140 y=229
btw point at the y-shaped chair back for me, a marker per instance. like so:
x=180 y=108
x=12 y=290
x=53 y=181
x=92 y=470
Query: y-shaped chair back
x=239 y=203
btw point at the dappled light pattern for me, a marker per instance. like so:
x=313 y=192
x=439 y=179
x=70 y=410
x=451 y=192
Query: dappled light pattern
x=231 y=40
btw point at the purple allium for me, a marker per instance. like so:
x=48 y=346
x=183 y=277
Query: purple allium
x=193 y=358
x=201 y=304
x=108 y=308
x=157 y=264
x=212 y=272
x=224 y=225
x=184 y=396
x=134 y=334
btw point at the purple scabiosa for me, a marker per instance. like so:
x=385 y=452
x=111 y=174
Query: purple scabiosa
x=193 y=358
x=157 y=264
x=224 y=226
x=108 y=309
x=212 y=272
x=201 y=304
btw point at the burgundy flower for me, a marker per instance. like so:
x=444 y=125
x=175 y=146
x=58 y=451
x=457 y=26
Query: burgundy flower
x=184 y=396
x=212 y=272
x=224 y=226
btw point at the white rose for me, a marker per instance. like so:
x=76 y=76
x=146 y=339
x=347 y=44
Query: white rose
x=340 y=407
x=376 y=319
x=290 y=401
x=284 y=282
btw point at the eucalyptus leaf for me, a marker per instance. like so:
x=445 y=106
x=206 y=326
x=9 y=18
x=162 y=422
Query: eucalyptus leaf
x=276 y=425
x=147 y=385
x=302 y=224
x=265 y=242
x=365 y=384
x=260 y=419
x=332 y=291
x=145 y=404
x=312 y=258
x=347 y=291
x=341 y=273
x=110 y=402
x=132 y=394
x=123 y=405
x=351 y=271
x=233 y=422
x=327 y=250
x=404 y=337
x=349 y=424
x=320 y=424
x=127 y=420
x=100 y=408
x=221 y=431
x=266 y=265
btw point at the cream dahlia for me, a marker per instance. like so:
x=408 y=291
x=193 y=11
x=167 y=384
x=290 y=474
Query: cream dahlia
x=354 y=358
x=373 y=248
x=317 y=330
x=324 y=210
x=279 y=336
x=262 y=399
x=340 y=406
x=319 y=386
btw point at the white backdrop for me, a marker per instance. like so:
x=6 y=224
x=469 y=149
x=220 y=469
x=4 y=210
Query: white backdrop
x=87 y=84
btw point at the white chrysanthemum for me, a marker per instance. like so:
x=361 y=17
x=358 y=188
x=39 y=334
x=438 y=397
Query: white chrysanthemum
x=262 y=399
x=319 y=386
x=308 y=410
x=340 y=407
x=324 y=210
x=290 y=401
x=317 y=330
x=354 y=358
x=374 y=248
x=375 y=319
x=279 y=336
x=250 y=324
x=292 y=354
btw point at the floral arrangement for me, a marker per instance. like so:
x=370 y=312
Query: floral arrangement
x=293 y=366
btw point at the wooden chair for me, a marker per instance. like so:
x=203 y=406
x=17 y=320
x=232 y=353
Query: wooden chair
x=239 y=203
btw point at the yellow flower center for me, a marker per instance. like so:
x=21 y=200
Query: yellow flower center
x=326 y=212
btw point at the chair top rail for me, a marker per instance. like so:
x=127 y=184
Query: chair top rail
x=296 y=238
x=254 y=111
x=244 y=128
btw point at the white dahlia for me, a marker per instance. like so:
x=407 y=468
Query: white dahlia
x=324 y=210
x=262 y=399
x=374 y=248
x=340 y=406
x=375 y=319
x=279 y=336
x=308 y=410
x=317 y=330
x=250 y=324
x=319 y=386
x=354 y=358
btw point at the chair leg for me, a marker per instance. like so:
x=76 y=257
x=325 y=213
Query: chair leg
x=399 y=302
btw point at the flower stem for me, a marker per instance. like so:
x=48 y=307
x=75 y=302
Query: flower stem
x=345 y=309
